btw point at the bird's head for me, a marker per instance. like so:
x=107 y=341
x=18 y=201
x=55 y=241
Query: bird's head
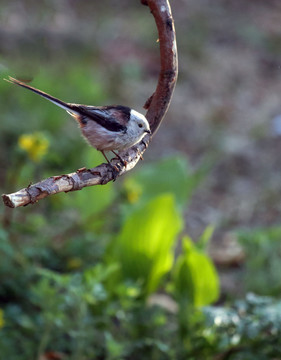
x=138 y=125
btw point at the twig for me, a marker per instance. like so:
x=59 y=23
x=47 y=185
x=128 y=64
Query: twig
x=157 y=106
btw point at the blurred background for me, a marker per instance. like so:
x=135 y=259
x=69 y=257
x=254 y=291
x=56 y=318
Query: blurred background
x=214 y=169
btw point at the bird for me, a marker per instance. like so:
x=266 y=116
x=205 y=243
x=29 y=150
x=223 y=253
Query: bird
x=106 y=128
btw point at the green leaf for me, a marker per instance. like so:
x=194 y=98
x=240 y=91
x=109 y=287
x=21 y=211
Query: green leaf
x=144 y=245
x=195 y=279
x=205 y=237
x=113 y=347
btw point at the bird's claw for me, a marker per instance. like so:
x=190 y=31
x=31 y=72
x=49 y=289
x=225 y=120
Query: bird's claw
x=123 y=162
x=115 y=171
x=144 y=143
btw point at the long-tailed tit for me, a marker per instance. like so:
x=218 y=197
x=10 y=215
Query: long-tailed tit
x=106 y=128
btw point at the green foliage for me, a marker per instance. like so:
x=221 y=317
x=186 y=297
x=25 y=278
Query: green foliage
x=263 y=266
x=81 y=287
x=68 y=298
x=251 y=329
x=161 y=177
x=194 y=277
x=78 y=269
x=144 y=246
x=91 y=289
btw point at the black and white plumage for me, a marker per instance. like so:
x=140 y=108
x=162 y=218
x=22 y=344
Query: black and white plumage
x=106 y=128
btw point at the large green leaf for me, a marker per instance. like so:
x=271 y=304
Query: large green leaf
x=144 y=245
x=195 y=279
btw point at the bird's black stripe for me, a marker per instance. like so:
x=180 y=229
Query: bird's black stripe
x=108 y=123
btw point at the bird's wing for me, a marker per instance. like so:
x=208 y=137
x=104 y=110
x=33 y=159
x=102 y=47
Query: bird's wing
x=102 y=115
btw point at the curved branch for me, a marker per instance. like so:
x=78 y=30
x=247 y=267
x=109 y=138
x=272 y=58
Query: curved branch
x=159 y=102
x=157 y=106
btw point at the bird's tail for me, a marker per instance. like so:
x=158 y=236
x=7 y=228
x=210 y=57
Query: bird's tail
x=58 y=102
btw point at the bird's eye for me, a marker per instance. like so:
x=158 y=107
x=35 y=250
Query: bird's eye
x=140 y=125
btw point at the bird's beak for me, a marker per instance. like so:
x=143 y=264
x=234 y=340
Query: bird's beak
x=147 y=131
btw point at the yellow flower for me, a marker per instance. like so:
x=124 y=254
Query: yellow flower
x=133 y=191
x=35 y=145
x=74 y=263
x=2 y=322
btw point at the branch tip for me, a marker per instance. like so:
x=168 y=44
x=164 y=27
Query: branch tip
x=7 y=201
